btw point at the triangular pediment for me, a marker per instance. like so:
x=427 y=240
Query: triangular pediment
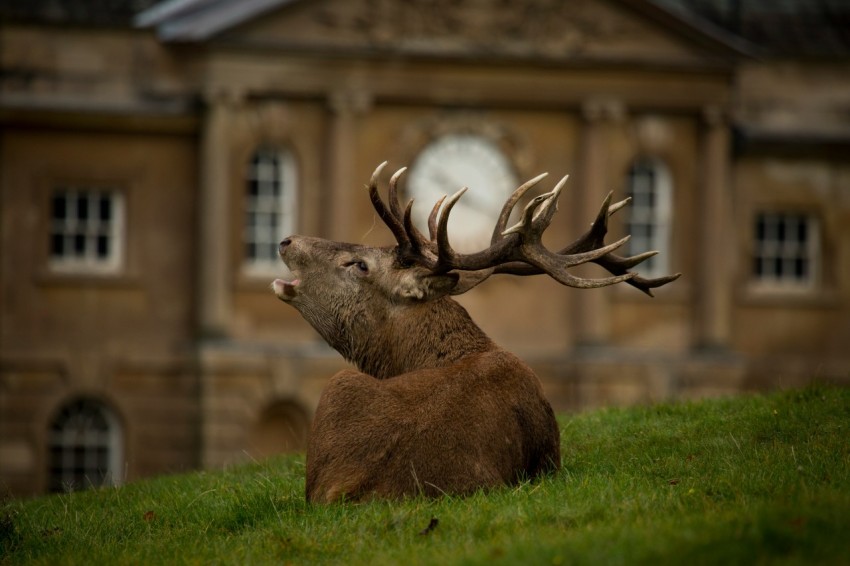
x=597 y=31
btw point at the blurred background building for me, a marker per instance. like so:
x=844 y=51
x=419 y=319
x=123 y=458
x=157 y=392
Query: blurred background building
x=153 y=154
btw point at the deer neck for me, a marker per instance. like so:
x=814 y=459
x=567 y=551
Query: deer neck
x=433 y=334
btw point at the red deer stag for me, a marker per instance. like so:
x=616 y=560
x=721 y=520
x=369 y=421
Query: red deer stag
x=436 y=407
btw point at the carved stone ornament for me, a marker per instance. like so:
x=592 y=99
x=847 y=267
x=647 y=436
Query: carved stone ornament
x=552 y=28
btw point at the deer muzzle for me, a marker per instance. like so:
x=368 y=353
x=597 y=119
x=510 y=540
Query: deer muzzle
x=285 y=290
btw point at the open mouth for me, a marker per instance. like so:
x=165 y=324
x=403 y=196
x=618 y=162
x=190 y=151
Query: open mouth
x=285 y=290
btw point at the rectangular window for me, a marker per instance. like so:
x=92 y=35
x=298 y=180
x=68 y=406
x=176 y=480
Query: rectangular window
x=270 y=208
x=86 y=230
x=786 y=250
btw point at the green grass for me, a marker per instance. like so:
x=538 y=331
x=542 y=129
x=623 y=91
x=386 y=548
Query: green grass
x=751 y=480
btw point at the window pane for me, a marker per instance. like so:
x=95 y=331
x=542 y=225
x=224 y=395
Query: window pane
x=802 y=231
x=79 y=244
x=760 y=228
x=57 y=245
x=272 y=249
x=641 y=199
x=102 y=246
x=59 y=206
x=83 y=207
x=105 y=212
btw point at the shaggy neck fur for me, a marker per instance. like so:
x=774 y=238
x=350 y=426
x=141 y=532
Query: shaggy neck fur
x=405 y=338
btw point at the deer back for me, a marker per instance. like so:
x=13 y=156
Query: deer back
x=480 y=422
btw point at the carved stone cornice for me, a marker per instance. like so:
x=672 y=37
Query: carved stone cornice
x=539 y=27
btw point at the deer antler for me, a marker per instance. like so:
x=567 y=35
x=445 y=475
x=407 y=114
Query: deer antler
x=517 y=250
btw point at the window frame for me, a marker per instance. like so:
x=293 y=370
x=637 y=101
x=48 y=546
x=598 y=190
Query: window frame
x=285 y=209
x=61 y=435
x=659 y=216
x=88 y=263
x=812 y=248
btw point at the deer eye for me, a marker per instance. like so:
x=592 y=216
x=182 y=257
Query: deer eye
x=360 y=265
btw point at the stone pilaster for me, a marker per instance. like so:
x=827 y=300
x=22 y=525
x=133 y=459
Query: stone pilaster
x=591 y=306
x=716 y=254
x=214 y=281
x=346 y=107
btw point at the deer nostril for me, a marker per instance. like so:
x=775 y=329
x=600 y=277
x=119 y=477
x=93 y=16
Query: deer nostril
x=283 y=245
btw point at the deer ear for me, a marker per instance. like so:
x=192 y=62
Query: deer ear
x=424 y=286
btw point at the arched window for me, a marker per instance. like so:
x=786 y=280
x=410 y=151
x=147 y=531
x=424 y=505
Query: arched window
x=270 y=207
x=85 y=447
x=648 y=183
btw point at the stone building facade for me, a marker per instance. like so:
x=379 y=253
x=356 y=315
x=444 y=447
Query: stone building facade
x=149 y=161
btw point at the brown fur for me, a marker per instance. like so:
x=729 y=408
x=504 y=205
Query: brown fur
x=436 y=408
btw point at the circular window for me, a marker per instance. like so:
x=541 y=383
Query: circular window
x=454 y=161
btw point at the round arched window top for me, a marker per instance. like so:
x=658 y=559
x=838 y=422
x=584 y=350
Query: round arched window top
x=85 y=446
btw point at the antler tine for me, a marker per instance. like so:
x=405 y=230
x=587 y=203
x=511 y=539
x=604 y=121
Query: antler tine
x=395 y=207
x=538 y=214
x=509 y=205
x=543 y=217
x=617 y=265
x=445 y=253
x=418 y=242
x=646 y=285
x=432 y=218
x=618 y=205
x=595 y=235
x=528 y=215
x=386 y=214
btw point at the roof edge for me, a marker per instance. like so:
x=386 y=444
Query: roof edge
x=197 y=20
x=695 y=28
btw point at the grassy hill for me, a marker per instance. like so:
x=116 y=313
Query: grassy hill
x=739 y=481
